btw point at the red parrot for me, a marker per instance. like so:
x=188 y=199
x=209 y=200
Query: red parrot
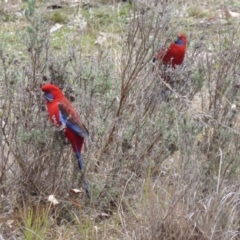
x=64 y=116
x=174 y=55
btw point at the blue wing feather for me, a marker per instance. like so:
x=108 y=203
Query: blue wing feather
x=66 y=119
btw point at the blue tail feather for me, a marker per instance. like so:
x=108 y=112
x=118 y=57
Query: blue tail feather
x=86 y=186
x=80 y=165
x=79 y=157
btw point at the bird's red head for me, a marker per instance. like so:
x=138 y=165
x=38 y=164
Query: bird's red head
x=51 y=92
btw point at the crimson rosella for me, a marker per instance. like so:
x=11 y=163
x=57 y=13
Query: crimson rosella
x=174 y=55
x=64 y=116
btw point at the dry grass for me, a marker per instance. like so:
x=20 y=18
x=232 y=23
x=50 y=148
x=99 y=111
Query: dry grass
x=162 y=160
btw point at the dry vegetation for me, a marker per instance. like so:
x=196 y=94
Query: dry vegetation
x=162 y=160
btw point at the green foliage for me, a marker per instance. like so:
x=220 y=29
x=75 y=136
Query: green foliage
x=57 y=17
x=88 y=43
x=197 y=11
x=198 y=77
x=35 y=222
x=29 y=12
x=6 y=17
x=59 y=38
x=33 y=29
x=35 y=136
x=108 y=19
